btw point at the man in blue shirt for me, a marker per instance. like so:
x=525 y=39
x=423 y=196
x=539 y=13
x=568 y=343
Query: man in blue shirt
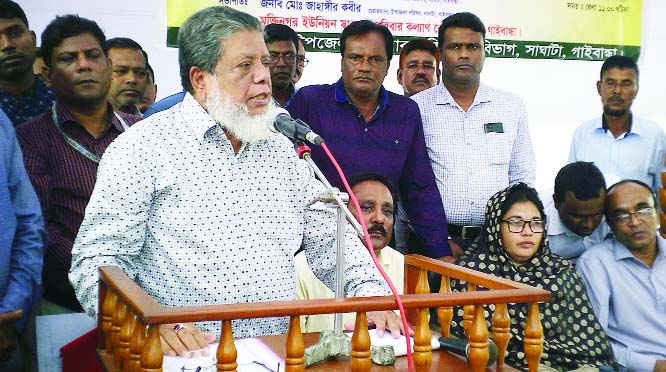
x=22 y=241
x=369 y=129
x=622 y=145
x=626 y=278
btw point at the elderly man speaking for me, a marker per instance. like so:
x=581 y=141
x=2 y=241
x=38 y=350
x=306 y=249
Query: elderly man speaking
x=202 y=204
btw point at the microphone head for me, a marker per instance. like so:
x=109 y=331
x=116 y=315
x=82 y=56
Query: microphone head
x=461 y=347
x=277 y=114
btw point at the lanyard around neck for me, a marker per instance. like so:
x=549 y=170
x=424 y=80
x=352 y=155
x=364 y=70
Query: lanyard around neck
x=75 y=145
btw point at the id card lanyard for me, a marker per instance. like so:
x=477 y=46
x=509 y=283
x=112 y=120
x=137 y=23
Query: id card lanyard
x=75 y=145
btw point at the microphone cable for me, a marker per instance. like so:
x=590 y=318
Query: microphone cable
x=368 y=242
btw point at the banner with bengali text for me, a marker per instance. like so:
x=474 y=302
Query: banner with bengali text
x=590 y=30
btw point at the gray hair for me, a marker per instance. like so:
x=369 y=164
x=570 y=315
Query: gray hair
x=200 y=35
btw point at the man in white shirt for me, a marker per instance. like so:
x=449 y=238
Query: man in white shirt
x=621 y=144
x=477 y=136
x=376 y=198
x=213 y=206
x=575 y=212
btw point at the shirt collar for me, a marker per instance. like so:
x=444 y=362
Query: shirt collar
x=196 y=117
x=341 y=95
x=444 y=97
x=620 y=251
x=65 y=116
x=634 y=126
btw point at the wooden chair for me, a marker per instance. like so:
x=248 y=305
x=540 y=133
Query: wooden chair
x=129 y=320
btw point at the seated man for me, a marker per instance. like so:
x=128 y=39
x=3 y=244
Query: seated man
x=626 y=278
x=575 y=212
x=212 y=205
x=375 y=196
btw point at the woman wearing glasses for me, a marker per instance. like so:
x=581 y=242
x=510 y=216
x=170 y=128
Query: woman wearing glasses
x=513 y=246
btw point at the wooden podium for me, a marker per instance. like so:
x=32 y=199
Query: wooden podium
x=129 y=322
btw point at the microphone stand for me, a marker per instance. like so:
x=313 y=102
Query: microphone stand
x=335 y=343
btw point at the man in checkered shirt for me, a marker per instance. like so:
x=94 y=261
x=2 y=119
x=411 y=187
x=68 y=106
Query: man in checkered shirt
x=477 y=136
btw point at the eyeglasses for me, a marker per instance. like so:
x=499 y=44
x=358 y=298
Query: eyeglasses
x=302 y=61
x=517 y=226
x=625 y=217
x=288 y=57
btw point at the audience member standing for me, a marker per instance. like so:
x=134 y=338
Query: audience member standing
x=22 y=241
x=129 y=76
x=419 y=66
x=626 y=278
x=282 y=44
x=22 y=94
x=576 y=210
x=477 y=136
x=62 y=147
x=370 y=129
x=622 y=145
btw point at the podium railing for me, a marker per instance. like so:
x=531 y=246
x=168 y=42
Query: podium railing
x=129 y=319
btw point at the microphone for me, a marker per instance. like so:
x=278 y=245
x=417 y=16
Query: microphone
x=461 y=347
x=293 y=128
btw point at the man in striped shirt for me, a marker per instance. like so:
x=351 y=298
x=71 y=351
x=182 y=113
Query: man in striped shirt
x=62 y=147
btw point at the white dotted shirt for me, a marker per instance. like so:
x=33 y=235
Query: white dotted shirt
x=471 y=165
x=195 y=224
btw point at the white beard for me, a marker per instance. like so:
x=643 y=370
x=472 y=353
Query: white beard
x=236 y=119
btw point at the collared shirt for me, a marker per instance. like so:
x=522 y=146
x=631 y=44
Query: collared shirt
x=629 y=298
x=638 y=154
x=31 y=103
x=164 y=104
x=308 y=287
x=194 y=223
x=391 y=144
x=22 y=235
x=564 y=242
x=471 y=160
x=63 y=179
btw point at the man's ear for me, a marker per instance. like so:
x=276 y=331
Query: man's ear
x=46 y=76
x=399 y=76
x=198 y=82
x=599 y=87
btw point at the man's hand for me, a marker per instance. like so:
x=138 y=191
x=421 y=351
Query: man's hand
x=8 y=336
x=455 y=248
x=181 y=338
x=383 y=321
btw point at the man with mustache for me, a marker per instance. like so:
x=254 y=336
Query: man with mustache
x=282 y=44
x=375 y=196
x=62 y=147
x=625 y=278
x=622 y=145
x=477 y=136
x=369 y=129
x=129 y=76
x=212 y=205
x=22 y=94
x=419 y=66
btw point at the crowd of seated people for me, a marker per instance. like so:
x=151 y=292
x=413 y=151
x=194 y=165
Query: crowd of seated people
x=94 y=172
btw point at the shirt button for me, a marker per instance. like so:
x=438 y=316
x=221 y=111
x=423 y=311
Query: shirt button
x=471 y=203
x=366 y=129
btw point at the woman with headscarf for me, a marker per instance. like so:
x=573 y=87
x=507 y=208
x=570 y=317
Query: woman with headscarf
x=513 y=246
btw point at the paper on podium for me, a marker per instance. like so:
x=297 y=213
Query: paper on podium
x=252 y=356
x=399 y=344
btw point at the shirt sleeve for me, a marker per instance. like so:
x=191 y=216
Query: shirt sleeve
x=113 y=229
x=572 y=149
x=523 y=163
x=422 y=200
x=596 y=279
x=24 y=279
x=319 y=241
